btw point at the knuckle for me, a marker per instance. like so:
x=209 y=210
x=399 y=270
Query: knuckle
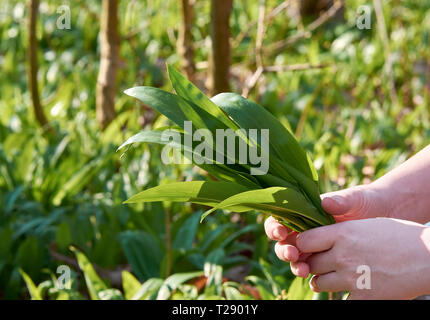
x=339 y=261
x=301 y=242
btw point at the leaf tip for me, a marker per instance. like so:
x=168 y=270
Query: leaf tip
x=130 y=92
x=130 y=200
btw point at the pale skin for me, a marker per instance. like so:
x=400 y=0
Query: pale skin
x=379 y=225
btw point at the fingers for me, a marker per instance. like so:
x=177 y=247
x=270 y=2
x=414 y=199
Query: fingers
x=286 y=252
x=321 y=263
x=318 y=239
x=300 y=269
x=344 y=202
x=329 y=282
x=275 y=230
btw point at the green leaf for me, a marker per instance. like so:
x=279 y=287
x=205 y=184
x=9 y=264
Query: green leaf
x=95 y=285
x=32 y=289
x=250 y=115
x=222 y=171
x=79 y=179
x=143 y=253
x=285 y=152
x=148 y=290
x=162 y=101
x=300 y=290
x=190 y=92
x=110 y=294
x=237 y=234
x=130 y=285
x=173 y=282
x=185 y=236
x=176 y=108
x=232 y=293
x=266 y=268
x=263 y=286
x=283 y=203
x=209 y=193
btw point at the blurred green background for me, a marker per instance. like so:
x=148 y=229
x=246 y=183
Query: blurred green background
x=360 y=106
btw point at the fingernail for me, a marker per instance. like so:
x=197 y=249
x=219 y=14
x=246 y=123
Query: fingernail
x=312 y=284
x=340 y=201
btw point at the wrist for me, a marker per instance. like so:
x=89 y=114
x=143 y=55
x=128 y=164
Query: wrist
x=402 y=201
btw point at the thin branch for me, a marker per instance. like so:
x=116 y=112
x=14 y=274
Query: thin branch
x=260 y=33
x=250 y=84
x=294 y=67
x=252 y=81
x=268 y=19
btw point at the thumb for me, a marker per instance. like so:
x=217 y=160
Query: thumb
x=349 y=202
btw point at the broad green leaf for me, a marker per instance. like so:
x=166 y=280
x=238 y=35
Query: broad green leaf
x=250 y=115
x=209 y=193
x=221 y=171
x=176 y=108
x=180 y=110
x=190 y=92
x=287 y=157
x=162 y=101
x=95 y=285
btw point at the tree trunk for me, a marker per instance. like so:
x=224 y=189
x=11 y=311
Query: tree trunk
x=220 y=57
x=33 y=67
x=185 y=41
x=109 y=50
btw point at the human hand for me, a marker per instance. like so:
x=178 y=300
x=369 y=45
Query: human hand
x=354 y=203
x=397 y=253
